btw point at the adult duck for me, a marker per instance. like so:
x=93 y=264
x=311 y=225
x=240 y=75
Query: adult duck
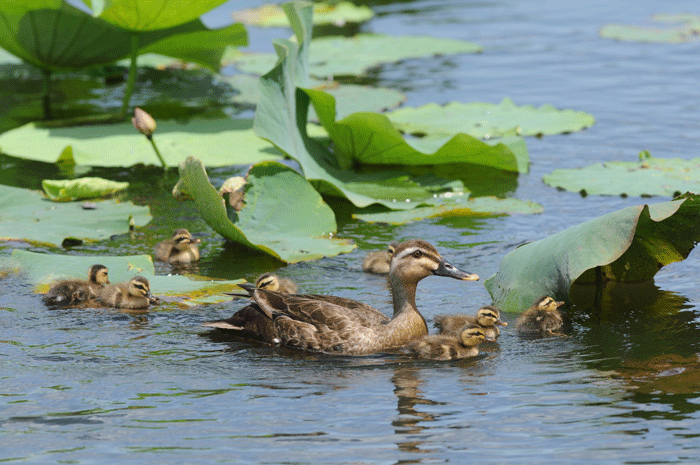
x=337 y=325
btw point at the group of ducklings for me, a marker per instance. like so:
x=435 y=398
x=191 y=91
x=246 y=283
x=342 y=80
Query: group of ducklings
x=180 y=249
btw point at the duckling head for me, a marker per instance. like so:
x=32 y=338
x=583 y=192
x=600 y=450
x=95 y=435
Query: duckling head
x=139 y=287
x=183 y=240
x=473 y=335
x=98 y=274
x=416 y=259
x=268 y=281
x=489 y=316
x=548 y=304
x=391 y=248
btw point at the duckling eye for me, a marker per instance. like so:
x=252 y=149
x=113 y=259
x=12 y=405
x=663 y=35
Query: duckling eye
x=417 y=254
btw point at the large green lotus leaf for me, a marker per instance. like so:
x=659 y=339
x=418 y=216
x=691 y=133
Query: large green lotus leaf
x=122 y=145
x=486 y=120
x=460 y=205
x=28 y=215
x=150 y=15
x=688 y=30
x=650 y=176
x=628 y=245
x=283 y=215
x=353 y=56
x=52 y=34
x=42 y=269
x=82 y=188
x=337 y=13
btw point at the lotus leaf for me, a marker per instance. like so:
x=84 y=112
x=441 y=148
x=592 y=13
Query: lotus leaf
x=650 y=176
x=486 y=120
x=42 y=269
x=89 y=145
x=81 y=188
x=283 y=215
x=28 y=215
x=359 y=53
x=687 y=31
x=628 y=245
x=337 y=13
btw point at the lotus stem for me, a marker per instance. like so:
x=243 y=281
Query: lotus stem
x=46 y=99
x=160 y=157
x=131 y=80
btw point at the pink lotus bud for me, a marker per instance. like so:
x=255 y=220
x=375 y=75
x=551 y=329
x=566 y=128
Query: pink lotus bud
x=143 y=122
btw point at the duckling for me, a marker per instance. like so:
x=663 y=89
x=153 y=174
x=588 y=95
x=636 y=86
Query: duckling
x=341 y=326
x=133 y=294
x=272 y=282
x=379 y=262
x=542 y=318
x=73 y=291
x=451 y=347
x=487 y=317
x=180 y=249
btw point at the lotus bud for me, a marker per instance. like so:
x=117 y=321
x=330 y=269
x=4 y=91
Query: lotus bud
x=143 y=122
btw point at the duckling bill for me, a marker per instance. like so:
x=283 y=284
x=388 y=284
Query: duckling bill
x=336 y=325
x=73 y=291
x=180 y=249
x=541 y=318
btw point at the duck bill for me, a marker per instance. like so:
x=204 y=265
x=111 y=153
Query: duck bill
x=447 y=270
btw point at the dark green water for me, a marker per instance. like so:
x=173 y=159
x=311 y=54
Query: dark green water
x=104 y=386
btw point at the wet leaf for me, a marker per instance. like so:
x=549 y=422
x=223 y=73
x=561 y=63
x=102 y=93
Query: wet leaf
x=29 y=216
x=85 y=145
x=459 y=205
x=629 y=245
x=337 y=13
x=486 y=120
x=687 y=30
x=647 y=177
x=43 y=269
x=282 y=215
x=359 y=53
x=81 y=188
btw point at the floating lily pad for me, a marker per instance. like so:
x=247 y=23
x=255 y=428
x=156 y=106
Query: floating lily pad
x=353 y=56
x=487 y=120
x=122 y=145
x=337 y=13
x=647 y=177
x=687 y=30
x=283 y=215
x=461 y=205
x=42 y=269
x=629 y=245
x=82 y=188
x=29 y=216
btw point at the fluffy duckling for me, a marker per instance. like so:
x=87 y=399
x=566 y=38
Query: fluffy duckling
x=448 y=347
x=73 y=291
x=180 y=249
x=542 y=318
x=272 y=282
x=133 y=294
x=487 y=317
x=379 y=262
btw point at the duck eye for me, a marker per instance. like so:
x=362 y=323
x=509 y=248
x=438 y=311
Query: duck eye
x=418 y=254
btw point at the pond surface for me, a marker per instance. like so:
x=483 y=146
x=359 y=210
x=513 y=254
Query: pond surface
x=103 y=386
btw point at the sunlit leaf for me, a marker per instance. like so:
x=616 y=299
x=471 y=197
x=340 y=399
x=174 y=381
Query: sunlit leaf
x=210 y=140
x=337 y=13
x=628 y=245
x=486 y=120
x=28 y=215
x=42 y=269
x=283 y=215
x=81 y=188
x=353 y=56
x=647 y=177
x=687 y=29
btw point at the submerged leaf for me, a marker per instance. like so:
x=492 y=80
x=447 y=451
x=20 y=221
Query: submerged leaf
x=337 y=13
x=688 y=30
x=282 y=214
x=29 y=216
x=629 y=245
x=81 y=188
x=486 y=120
x=647 y=177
